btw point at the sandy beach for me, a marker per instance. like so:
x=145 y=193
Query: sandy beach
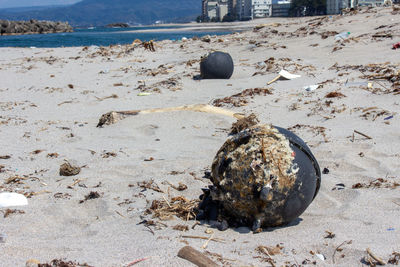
x=51 y=101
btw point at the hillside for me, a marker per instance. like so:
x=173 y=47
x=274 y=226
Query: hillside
x=102 y=12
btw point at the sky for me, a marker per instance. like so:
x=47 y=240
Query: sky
x=24 y=3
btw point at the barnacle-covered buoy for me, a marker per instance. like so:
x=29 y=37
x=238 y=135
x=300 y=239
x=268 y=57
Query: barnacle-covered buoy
x=264 y=176
x=217 y=65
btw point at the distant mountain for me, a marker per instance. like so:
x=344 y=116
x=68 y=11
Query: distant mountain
x=103 y=12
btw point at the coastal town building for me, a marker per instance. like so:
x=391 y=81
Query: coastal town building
x=216 y=10
x=261 y=8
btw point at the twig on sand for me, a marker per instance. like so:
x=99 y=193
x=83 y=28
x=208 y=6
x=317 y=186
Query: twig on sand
x=379 y=260
x=206 y=243
x=338 y=248
x=203 y=237
x=190 y=254
x=362 y=134
x=136 y=261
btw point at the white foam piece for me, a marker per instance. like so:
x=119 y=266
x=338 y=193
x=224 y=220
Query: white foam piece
x=12 y=199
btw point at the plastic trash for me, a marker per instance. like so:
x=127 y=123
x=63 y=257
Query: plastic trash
x=342 y=36
x=310 y=88
x=3 y=238
x=12 y=199
x=217 y=65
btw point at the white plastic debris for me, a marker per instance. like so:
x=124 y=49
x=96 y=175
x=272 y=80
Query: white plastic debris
x=320 y=256
x=12 y=199
x=310 y=88
x=3 y=238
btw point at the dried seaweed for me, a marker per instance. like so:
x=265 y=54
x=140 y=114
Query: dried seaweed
x=239 y=100
x=8 y=212
x=181 y=227
x=150 y=185
x=315 y=129
x=335 y=94
x=91 y=195
x=15 y=180
x=395 y=258
x=66 y=169
x=180 y=207
x=62 y=263
x=377 y=183
x=269 y=250
x=244 y=123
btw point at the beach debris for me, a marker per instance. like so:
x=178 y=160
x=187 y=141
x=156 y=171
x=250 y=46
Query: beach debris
x=342 y=36
x=114 y=116
x=396 y=46
x=320 y=256
x=181 y=227
x=10 y=199
x=377 y=183
x=180 y=187
x=216 y=65
x=334 y=94
x=3 y=238
x=206 y=38
x=270 y=250
x=310 y=88
x=5 y=157
x=179 y=206
x=66 y=169
x=32 y=263
x=91 y=195
x=57 y=263
x=149 y=45
x=144 y=94
x=339 y=248
x=394 y=259
x=2 y=167
x=150 y=185
x=15 y=180
x=329 y=234
x=194 y=256
x=325 y=171
x=238 y=100
x=8 y=212
x=285 y=75
x=372 y=259
x=362 y=134
x=135 y=262
x=244 y=123
x=317 y=130
x=256 y=172
x=339 y=186
x=107 y=97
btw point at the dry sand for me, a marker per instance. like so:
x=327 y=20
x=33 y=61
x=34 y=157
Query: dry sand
x=51 y=100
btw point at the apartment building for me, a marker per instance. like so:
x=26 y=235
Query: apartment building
x=261 y=8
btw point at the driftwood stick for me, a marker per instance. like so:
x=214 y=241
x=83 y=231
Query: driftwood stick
x=360 y=133
x=190 y=254
x=274 y=79
x=114 y=116
x=379 y=260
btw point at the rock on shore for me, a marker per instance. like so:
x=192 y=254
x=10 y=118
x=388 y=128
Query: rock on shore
x=8 y=27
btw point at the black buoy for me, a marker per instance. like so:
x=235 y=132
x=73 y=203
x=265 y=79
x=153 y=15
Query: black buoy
x=263 y=176
x=217 y=65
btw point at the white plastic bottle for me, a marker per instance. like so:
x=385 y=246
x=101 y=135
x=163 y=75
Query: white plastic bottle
x=342 y=36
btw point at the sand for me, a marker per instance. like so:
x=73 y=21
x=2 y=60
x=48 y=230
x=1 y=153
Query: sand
x=51 y=101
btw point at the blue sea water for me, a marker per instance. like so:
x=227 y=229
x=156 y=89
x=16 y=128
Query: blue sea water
x=98 y=36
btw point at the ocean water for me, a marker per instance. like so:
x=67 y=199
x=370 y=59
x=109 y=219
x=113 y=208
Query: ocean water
x=98 y=36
